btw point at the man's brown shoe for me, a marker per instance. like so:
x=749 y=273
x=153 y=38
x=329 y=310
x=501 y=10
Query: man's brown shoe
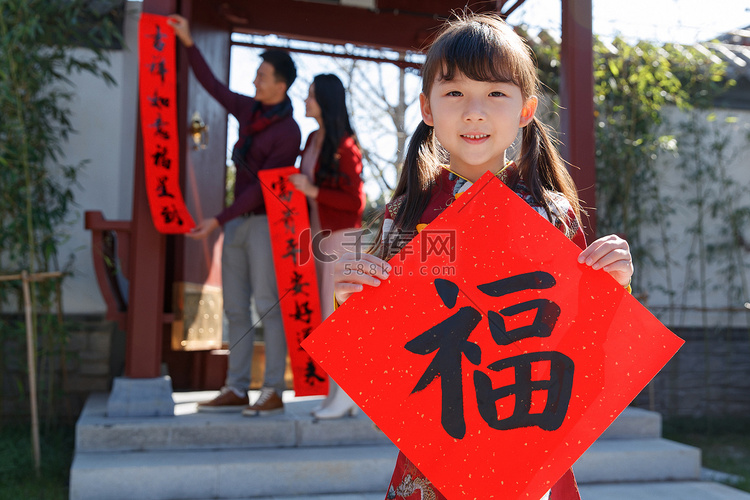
x=227 y=401
x=268 y=403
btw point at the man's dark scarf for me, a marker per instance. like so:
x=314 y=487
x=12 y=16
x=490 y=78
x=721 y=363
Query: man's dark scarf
x=260 y=121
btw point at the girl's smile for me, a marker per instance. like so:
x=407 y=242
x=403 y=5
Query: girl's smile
x=475 y=138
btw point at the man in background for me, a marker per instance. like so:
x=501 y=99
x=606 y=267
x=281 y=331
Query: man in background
x=268 y=138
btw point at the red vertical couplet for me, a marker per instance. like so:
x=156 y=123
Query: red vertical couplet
x=296 y=278
x=161 y=146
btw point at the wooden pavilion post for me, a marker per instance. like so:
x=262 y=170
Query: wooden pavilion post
x=143 y=392
x=577 y=101
x=146 y=291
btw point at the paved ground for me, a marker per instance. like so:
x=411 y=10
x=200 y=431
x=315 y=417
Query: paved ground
x=634 y=491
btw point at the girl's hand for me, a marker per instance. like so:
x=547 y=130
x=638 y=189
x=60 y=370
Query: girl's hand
x=352 y=271
x=612 y=254
x=302 y=183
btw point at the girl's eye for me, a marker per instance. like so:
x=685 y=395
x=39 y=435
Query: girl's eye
x=496 y=94
x=454 y=93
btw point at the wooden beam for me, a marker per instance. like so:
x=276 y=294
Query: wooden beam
x=577 y=101
x=505 y=12
x=379 y=60
x=407 y=28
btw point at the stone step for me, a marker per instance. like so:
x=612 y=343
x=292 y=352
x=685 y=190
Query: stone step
x=270 y=472
x=634 y=423
x=189 y=429
x=295 y=428
x=688 y=490
x=179 y=474
x=196 y=455
x=633 y=460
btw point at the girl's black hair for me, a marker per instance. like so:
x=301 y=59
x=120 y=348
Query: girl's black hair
x=331 y=97
x=481 y=47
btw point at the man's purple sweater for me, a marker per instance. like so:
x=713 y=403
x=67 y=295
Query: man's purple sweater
x=275 y=146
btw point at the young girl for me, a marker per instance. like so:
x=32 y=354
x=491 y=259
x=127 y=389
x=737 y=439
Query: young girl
x=478 y=88
x=330 y=177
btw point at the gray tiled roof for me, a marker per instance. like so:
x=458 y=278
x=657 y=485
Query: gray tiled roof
x=734 y=48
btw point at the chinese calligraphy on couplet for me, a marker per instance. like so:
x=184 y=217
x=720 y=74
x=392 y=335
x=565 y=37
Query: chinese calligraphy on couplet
x=494 y=367
x=296 y=277
x=158 y=106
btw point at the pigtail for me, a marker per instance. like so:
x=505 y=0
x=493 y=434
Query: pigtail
x=417 y=177
x=543 y=169
x=412 y=194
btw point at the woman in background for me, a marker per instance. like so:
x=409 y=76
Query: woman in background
x=330 y=177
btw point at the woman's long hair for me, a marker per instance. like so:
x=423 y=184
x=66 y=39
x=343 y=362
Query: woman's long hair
x=331 y=98
x=481 y=47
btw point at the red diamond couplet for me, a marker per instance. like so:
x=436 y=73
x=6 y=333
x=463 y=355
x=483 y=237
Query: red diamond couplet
x=496 y=360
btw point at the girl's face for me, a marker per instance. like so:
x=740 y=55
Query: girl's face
x=312 y=108
x=476 y=121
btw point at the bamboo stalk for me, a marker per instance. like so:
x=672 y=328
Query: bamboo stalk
x=26 y=278
x=31 y=359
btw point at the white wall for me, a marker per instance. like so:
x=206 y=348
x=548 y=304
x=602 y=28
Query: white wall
x=681 y=242
x=105 y=118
